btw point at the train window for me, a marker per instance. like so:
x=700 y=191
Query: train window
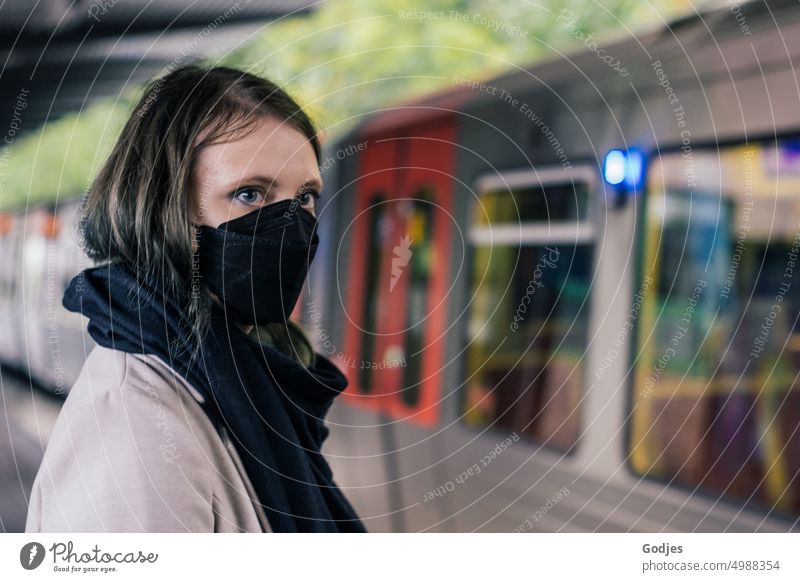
x=7 y=245
x=6 y=224
x=420 y=222
x=529 y=315
x=376 y=218
x=516 y=200
x=716 y=390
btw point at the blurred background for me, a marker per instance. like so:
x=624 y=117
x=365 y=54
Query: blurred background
x=559 y=257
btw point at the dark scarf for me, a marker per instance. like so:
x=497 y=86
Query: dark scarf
x=272 y=405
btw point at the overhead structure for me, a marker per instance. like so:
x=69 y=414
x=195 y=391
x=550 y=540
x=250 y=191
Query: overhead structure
x=61 y=55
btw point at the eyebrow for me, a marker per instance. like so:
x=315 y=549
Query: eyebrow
x=310 y=183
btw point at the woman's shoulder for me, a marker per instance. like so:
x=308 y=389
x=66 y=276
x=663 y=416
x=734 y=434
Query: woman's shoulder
x=129 y=452
x=132 y=404
x=108 y=371
x=138 y=404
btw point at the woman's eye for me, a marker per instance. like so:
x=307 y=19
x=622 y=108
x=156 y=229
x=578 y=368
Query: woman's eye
x=249 y=196
x=307 y=197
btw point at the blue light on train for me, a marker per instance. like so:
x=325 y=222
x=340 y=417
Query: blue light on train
x=624 y=168
x=614 y=167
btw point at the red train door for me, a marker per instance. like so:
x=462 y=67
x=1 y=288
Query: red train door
x=397 y=303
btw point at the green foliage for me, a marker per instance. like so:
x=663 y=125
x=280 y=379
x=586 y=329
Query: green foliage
x=347 y=60
x=58 y=160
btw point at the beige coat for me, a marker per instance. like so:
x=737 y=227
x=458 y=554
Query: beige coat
x=133 y=451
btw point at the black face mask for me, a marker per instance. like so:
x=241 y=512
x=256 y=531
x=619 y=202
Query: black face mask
x=256 y=264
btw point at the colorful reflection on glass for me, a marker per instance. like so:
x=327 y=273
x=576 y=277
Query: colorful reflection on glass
x=377 y=218
x=419 y=226
x=716 y=396
x=529 y=315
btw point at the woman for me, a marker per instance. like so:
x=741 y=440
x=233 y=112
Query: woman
x=201 y=409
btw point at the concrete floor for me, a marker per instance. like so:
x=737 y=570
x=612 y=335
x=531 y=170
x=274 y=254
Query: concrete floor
x=27 y=417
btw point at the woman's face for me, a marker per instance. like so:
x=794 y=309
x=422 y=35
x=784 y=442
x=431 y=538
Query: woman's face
x=273 y=163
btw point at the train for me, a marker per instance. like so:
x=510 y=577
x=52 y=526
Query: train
x=566 y=297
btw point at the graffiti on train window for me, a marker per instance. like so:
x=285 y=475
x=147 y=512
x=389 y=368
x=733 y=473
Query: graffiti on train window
x=716 y=395
x=528 y=319
x=421 y=261
x=376 y=218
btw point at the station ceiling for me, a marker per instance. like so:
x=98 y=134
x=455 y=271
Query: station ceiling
x=61 y=55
